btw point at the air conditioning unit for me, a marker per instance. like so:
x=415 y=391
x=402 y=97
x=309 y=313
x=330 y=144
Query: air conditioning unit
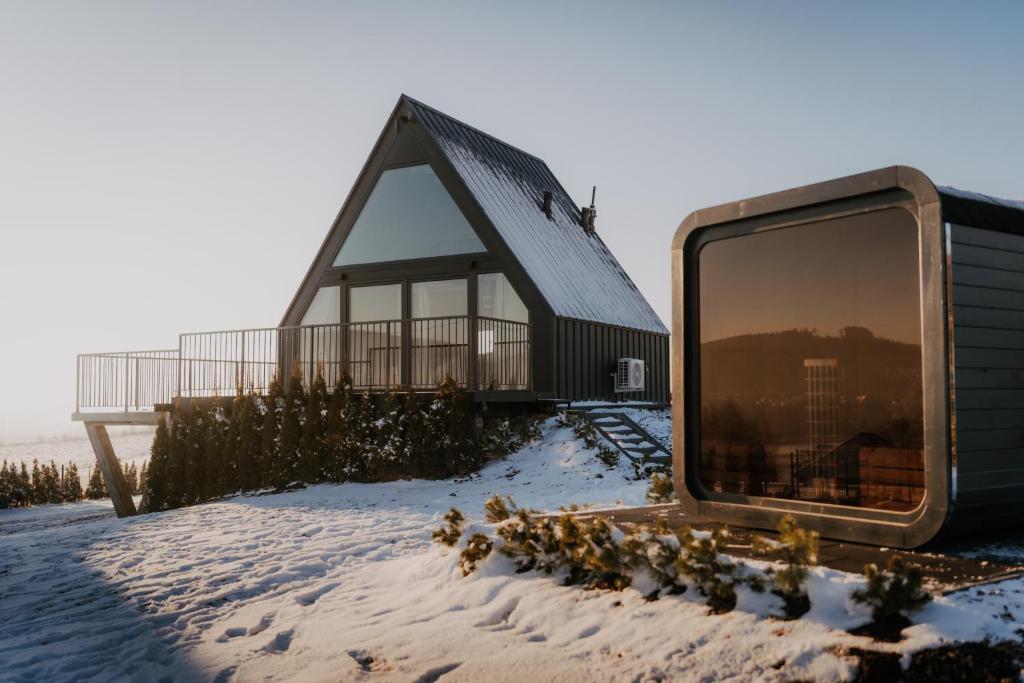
x=630 y=375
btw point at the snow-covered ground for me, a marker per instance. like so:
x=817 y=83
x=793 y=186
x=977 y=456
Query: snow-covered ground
x=342 y=583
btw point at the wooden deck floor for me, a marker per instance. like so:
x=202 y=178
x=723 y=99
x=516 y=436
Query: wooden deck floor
x=945 y=570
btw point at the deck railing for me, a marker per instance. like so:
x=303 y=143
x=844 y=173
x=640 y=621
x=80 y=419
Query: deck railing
x=478 y=353
x=126 y=380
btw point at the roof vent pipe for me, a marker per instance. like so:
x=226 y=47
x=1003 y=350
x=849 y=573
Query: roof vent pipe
x=549 y=200
x=588 y=213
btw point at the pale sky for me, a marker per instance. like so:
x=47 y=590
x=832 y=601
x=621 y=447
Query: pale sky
x=169 y=167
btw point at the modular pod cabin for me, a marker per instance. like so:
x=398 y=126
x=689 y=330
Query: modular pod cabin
x=852 y=353
x=454 y=255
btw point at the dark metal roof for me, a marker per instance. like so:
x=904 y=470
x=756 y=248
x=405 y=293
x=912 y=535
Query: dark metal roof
x=981 y=210
x=573 y=270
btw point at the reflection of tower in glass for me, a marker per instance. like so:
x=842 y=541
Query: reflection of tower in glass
x=822 y=376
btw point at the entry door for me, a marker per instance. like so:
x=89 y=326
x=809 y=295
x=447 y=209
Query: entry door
x=375 y=335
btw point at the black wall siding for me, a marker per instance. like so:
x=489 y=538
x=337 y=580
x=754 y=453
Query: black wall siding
x=988 y=334
x=586 y=353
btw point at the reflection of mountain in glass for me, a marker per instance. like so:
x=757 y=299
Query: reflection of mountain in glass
x=756 y=383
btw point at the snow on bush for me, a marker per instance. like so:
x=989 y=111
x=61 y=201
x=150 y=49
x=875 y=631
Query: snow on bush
x=593 y=552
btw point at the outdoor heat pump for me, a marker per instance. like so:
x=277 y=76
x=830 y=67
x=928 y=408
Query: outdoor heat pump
x=629 y=375
x=852 y=353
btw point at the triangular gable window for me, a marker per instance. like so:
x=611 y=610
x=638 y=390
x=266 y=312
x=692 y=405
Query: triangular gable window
x=408 y=215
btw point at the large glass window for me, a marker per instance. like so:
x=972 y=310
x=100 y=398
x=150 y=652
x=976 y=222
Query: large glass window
x=439 y=298
x=497 y=299
x=375 y=338
x=376 y=302
x=810 y=363
x=439 y=332
x=325 y=309
x=318 y=343
x=408 y=215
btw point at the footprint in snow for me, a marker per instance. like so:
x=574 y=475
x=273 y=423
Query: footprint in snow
x=232 y=633
x=311 y=596
x=281 y=642
x=265 y=621
x=433 y=675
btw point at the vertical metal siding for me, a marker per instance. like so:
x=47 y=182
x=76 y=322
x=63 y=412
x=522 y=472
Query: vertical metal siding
x=988 y=331
x=585 y=356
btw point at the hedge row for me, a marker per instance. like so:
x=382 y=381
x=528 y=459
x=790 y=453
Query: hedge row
x=294 y=435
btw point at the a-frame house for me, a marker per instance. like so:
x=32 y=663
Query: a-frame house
x=456 y=253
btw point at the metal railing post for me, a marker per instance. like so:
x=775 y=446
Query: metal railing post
x=473 y=361
x=126 y=375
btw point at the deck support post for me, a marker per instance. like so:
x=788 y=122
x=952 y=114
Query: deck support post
x=110 y=468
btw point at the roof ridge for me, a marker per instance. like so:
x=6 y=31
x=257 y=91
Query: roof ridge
x=451 y=118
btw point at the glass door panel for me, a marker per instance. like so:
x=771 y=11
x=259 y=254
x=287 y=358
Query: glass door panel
x=440 y=332
x=375 y=335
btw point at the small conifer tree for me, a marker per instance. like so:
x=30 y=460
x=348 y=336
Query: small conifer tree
x=270 y=450
x=799 y=551
x=661 y=489
x=95 y=490
x=72 y=484
x=38 y=484
x=418 y=447
x=52 y=483
x=7 y=476
x=213 y=450
x=388 y=458
x=714 y=575
x=229 y=479
x=313 y=456
x=24 y=487
x=131 y=476
x=250 y=439
x=893 y=595
x=453 y=448
x=450 y=533
x=154 y=491
x=177 y=459
x=291 y=428
x=195 y=454
x=357 y=436
x=337 y=416
x=143 y=477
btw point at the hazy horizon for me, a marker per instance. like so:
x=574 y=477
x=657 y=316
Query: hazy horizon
x=174 y=167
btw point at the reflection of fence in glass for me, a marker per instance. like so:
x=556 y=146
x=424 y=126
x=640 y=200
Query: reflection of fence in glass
x=860 y=472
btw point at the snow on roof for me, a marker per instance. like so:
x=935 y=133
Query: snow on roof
x=981 y=210
x=979 y=197
x=575 y=271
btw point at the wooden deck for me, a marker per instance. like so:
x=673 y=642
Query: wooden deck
x=945 y=570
